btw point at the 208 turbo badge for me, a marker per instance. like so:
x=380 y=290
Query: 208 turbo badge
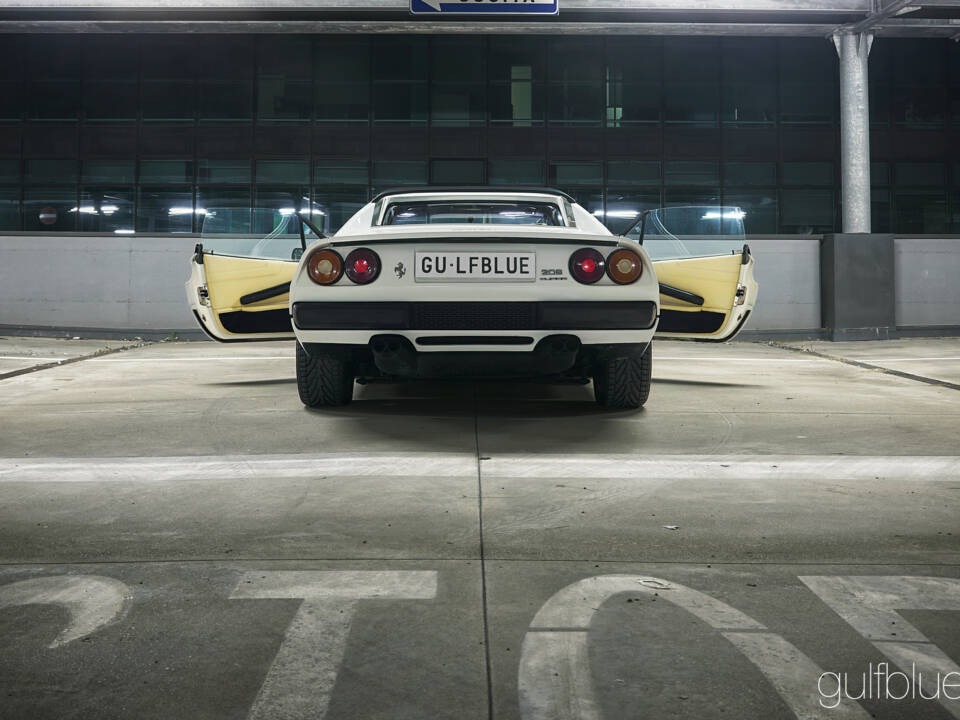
x=551 y=274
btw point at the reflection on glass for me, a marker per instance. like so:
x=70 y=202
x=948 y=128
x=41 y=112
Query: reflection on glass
x=49 y=209
x=275 y=234
x=9 y=209
x=105 y=210
x=165 y=210
x=693 y=231
x=473 y=213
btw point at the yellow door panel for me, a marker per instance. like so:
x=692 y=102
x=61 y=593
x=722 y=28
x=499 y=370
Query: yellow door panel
x=248 y=297
x=703 y=298
x=231 y=278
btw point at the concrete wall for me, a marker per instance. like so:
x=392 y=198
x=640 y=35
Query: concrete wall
x=927 y=281
x=125 y=283
x=788 y=272
x=113 y=282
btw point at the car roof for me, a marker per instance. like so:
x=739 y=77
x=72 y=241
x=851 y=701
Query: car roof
x=498 y=189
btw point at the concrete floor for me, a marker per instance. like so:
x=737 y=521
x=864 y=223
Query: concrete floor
x=180 y=538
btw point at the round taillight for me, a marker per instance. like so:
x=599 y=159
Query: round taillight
x=587 y=265
x=362 y=266
x=325 y=267
x=624 y=266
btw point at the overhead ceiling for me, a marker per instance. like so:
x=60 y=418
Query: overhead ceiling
x=890 y=18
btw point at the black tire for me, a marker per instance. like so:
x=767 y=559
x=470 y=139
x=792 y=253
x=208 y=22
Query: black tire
x=622 y=382
x=324 y=379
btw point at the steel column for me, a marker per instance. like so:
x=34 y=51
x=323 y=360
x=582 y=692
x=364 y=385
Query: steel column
x=854 y=51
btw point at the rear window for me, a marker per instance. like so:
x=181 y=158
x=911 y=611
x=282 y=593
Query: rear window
x=480 y=213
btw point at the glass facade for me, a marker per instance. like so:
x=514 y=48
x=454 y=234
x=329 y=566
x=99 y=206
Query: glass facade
x=121 y=134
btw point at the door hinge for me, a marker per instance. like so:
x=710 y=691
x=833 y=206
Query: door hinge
x=203 y=296
x=741 y=296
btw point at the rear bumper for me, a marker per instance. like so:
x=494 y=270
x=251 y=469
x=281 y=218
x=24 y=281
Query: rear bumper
x=475 y=316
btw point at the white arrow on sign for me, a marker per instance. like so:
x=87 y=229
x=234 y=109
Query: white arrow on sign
x=488 y=6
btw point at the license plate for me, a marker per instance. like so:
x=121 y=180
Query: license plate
x=476 y=266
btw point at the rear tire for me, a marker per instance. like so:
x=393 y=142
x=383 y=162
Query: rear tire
x=622 y=382
x=324 y=379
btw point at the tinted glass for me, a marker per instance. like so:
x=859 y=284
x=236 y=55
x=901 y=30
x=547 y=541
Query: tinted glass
x=480 y=213
x=9 y=208
x=50 y=210
x=165 y=209
x=106 y=210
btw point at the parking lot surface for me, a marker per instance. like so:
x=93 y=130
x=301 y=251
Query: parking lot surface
x=181 y=538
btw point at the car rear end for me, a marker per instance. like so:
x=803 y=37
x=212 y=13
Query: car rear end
x=498 y=301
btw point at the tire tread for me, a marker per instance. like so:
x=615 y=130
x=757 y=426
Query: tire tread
x=623 y=382
x=323 y=379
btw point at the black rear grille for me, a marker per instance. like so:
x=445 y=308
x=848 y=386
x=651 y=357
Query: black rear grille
x=473 y=316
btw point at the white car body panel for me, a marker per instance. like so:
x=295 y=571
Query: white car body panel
x=397 y=245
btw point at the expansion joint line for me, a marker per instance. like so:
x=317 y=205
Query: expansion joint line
x=867 y=366
x=71 y=360
x=483 y=560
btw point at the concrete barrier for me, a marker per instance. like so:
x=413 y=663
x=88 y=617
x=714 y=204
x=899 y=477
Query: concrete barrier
x=115 y=285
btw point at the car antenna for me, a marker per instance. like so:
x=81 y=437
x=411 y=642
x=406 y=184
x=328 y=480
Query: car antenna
x=313 y=229
x=642 y=221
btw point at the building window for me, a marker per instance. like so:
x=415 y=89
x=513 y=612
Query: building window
x=110 y=78
x=54 y=80
x=341 y=74
x=749 y=81
x=633 y=172
x=389 y=173
x=808 y=81
x=632 y=78
x=691 y=81
x=225 y=78
x=400 y=80
x=169 y=86
x=458 y=95
x=9 y=208
x=516 y=171
x=284 y=89
x=806 y=212
x=50 y=209
x=575 y=89
x=919 y=83
x=165 y=209
x=516 y=67
x=456 y=172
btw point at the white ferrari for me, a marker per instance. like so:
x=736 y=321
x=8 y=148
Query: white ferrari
x=466 y=282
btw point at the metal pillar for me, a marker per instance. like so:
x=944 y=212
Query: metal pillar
x=854 y=50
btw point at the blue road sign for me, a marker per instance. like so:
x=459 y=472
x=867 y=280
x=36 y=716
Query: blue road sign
x=470 y=7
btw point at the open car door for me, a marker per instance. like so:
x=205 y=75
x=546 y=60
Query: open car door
x=705 y=270
x=239 y=286
x=706 y=298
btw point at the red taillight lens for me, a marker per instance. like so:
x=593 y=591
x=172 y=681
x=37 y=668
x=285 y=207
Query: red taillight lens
x=587 y=265
x=624 y=266
x=325 y=267
x=362 y=266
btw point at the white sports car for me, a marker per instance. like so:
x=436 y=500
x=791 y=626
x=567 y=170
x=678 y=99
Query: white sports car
x=467 y=282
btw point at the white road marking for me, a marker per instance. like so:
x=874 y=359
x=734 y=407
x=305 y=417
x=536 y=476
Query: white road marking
x=671 y=358
x=304 y=671
x=794 y=675
x=770 y=468
x=720 y=467
x=188 y=359
x=870 y=604
x=91 y=601
x=555 y=681
x=237 y=467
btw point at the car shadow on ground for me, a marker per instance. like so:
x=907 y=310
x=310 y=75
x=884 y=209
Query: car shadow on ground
x=702 y=383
